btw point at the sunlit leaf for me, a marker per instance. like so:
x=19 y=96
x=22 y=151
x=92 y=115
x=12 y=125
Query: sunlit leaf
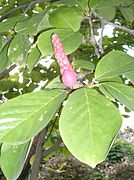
x=23 y=117
x=88 y=125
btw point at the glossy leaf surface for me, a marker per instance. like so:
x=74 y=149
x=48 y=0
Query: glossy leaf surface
x=28 y=113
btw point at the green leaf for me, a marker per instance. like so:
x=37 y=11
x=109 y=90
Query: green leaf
x=80 y=4
x=127 y=10
x=105 y=92
x=18 y=49
x=71 y=41
x=113 y=64
x=12 y=159
x=3 y=58
x=33 y=25
x=80 y=63
x=98 y=4
x=65 y=17
x=10 y=23
x=33 y=57
x=28 y=113
x=88 y=125
x=107 y=13
x=130 y=76
x=123 y=93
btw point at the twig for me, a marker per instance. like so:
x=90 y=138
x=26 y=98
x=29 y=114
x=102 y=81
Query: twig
x=52 y=148
x=51 y=130
x=83 y=74
x=38 y=156
x=93 y=37
x=7 y=71
x=101 y=38
x=123 y=28
x=33 y=3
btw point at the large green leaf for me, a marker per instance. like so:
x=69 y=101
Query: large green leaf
x=33 y=25
x=122 y=93
x=113 y=64
x=23 y=117
x=88 y=125
x=12 y=159
x=130 y=76
x=71 y=41
x=18 y=49
x=65 y=17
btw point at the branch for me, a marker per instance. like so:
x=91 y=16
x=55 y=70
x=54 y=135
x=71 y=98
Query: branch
x=7 y=71
x=123 y=28
x=93 y=37
x=101 y=38
x=38 y=156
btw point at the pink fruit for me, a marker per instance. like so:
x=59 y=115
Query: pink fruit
x=69 y=76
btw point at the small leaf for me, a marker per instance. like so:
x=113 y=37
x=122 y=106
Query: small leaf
x=70 y=40
x=80 y=63
x=10 y=23
x=13 y=158
x=33 y=57
x=28 y=113
x=65 y=17
x=55 y=84
x=113 y=64
x=18 y=49
x=88 y=125
x=123 y=93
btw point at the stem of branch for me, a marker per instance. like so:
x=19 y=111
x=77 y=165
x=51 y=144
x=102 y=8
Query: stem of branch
x=123 y=28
